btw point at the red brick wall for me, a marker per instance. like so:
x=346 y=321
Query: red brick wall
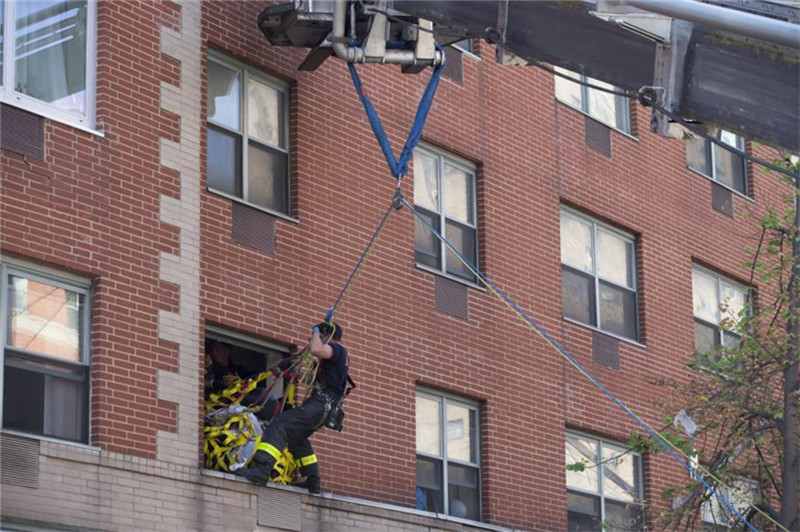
x=92 y=207
x=532 y=157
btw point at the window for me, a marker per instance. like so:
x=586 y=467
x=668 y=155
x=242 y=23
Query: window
x=717 y=517
x=444 y=194
x=465 y=45
x=47 y=53
x=718 y=163
x=718 y=303
x=611 y=109
x=448 y=465
x=228 y=353
x=598 y=275
x=45 y=353
x=607 y=494
x=248 y=135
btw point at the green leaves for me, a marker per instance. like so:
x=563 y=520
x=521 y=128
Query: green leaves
x=577 y=467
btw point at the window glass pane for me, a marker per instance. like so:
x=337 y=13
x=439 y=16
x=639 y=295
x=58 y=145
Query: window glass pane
x=697 y=156
x=576 y=243
x=463 y=238
x=714 y=512
x=618 y=310
x=224 y=162
x=624 y=516
x=47 y=398
x=464 y=44
x=603 y=105
x=426 y=187
x=729 y=168
x=733 y=302
x=45 y=318
x=428 y=426
x=223 y=96
x=462 y=492
x=705 y=337
x=577 y=296
x=267 y=182
x=427 y=248
x=614 y=258
x=704 y=295
x=265 y=113
x=64 y=408
x=50 y=52
x=568 y=91
x=429 y=491
x=731 y=340
x=620 y=473
x=580 y=449
x=24 y=390
x=461 y=433
x=583 y=512
x=458 y=199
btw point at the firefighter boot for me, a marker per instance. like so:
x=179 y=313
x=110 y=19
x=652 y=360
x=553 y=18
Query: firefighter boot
x=313 y=484
x=311 y=473
x=261 y=471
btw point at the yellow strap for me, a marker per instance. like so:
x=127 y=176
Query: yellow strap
x=270 y=449
x=306 y=460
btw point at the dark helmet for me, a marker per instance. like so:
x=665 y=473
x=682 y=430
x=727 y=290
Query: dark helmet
x=327 y=329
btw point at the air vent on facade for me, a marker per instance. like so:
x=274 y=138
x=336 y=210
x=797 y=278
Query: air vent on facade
x=279 y=509
x=605 y=350
x=19 y=461
x=722 y=199
x=254 y=228
x=453 y=64
x=21 y=132
x=451 y=298
x=598 y=136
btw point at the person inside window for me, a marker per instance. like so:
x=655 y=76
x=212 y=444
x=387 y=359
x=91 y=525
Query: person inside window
x=221 y=370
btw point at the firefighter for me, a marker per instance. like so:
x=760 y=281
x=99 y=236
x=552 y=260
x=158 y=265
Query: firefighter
x=294 y=427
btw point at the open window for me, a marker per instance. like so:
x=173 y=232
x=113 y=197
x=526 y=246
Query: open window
x=230 y=355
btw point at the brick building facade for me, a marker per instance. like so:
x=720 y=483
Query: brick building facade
x=157 y=241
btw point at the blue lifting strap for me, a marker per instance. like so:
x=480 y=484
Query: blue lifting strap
x=399 y=168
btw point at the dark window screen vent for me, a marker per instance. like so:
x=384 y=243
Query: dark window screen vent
x=21 y=132
x=722 y=199
x=451 y=298
x=453 y=64
x=605 y=350
x=253 y=228
x=19 y=461
x=598 y=136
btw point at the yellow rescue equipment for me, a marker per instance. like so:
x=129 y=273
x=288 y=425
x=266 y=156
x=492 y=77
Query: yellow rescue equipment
x=233 y=431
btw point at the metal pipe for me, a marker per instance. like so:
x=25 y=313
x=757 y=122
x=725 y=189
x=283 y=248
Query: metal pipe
x=358 y=55
x=763 y=28
x=349 y=54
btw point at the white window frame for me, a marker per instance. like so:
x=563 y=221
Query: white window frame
x=444 y=399
x=443 y=157
x=711 y=154
x=596 y=277
x=601 y=477
x=9 y=267
x=11 y=97
x=719 y=335
x=747 y=490
x=248 y=72
x=624 y=127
